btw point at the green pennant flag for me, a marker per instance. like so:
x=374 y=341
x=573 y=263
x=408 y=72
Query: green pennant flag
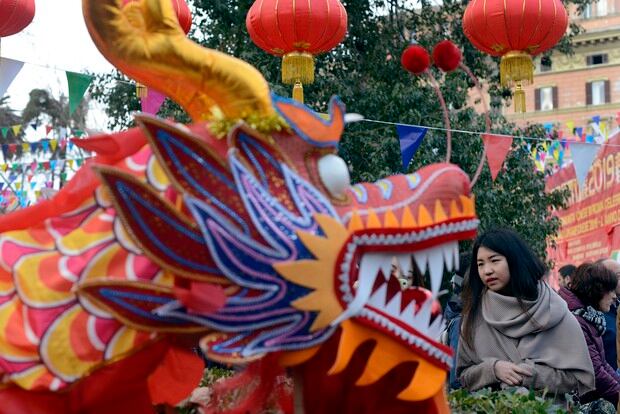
x=5 y=130
x=78 y=132
x=78 y=85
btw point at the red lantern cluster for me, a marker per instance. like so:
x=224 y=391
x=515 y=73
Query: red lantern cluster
x=15 y=15
x=184 y=15
x=415 y=59
x=516 y=30
x=447 y=56
x=297 y=31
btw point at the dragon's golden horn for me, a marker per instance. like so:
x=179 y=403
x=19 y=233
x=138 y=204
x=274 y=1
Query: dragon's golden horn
x=146 y=42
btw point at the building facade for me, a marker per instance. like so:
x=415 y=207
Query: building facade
x=574 y=90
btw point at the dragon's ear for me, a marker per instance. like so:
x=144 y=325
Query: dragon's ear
x=134 y=304
x=309 y=125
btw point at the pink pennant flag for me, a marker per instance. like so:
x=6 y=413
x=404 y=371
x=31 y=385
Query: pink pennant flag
x=496 y=148
x=153 y=101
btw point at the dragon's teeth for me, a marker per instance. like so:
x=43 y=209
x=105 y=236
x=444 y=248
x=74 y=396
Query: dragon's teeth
x=404 y=261
x=393 y=308
x=421 y=258
x=435 y=264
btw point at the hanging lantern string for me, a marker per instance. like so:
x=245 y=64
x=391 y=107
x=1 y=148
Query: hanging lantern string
x=482 y=133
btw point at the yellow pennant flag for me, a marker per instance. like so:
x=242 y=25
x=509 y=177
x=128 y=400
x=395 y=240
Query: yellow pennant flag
x=18 y=185
x=16 y=129
x=570 y=125
x=53 y=144
x=25 y=147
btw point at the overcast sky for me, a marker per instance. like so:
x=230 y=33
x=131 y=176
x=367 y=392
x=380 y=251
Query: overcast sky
x=57 y=40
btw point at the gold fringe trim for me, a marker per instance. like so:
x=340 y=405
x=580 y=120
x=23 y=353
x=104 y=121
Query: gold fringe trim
x=141 y=90
x=297 y=67
x=298 y=92
x=519 y=99
x=220 y=126
x=516 y=67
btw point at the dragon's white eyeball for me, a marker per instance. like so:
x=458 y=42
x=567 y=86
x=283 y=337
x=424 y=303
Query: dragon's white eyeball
x=335 y=174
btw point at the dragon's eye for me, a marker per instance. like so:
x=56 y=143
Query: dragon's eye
x=335 y=174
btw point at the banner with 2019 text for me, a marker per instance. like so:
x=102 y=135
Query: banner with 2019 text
x=590 y=227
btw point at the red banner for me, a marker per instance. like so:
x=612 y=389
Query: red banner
x=591 y=222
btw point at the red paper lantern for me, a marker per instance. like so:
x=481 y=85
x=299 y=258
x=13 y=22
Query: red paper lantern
x=15 y=15
x=297 y=31
x=516 y=30
x=183 y=13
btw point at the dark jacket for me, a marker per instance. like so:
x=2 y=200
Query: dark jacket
x=452 y=316
x=609 y=337
x=607 y=381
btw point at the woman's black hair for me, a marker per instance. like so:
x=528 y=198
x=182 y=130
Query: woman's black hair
x=526 y=270
x=591 y=282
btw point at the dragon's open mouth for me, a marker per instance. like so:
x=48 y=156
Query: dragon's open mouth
x=372 y=293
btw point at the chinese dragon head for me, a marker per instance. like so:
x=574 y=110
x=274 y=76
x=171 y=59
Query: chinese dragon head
x=241 y=230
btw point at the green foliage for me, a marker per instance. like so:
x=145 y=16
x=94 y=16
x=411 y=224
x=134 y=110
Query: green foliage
x=365 y=72
x=510 y=401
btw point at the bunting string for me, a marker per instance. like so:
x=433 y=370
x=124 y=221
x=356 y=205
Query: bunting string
x=526 y=138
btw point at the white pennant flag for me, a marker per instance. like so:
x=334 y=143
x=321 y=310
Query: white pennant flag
x=583 y=156
x=9 y=69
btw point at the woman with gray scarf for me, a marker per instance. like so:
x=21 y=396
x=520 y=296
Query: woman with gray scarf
x=516 y=330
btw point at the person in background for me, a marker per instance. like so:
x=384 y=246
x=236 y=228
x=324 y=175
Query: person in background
x=592 y=291
x=610 y=336
x=452 y=313
x=516 y=330
x=565 y=274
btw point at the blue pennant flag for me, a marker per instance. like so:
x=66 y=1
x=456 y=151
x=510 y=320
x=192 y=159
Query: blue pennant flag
x=410 y=139
x=596 y=119
x=579 y=132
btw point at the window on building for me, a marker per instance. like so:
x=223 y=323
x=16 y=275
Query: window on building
x=598 y=59
x=597 y=92
x=587 y=11
x=546 y=98
x=601 y=8
x=544 y=64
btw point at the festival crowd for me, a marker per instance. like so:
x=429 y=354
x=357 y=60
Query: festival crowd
x=510 y=328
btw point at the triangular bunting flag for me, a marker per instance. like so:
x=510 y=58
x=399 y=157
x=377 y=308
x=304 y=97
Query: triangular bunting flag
x=410 y=139
x=16 y=129
x=48 y=128
x=153 y=101
x=5 y=131
x=583 y=156
x=53 y=144
x=78 y=85
x=496 y=147
x=9 y=69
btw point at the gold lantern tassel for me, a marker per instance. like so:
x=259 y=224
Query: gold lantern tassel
x=519 y=98
x=298 y=92
x=516 y=68
x=141 y=90
x=297 y=67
